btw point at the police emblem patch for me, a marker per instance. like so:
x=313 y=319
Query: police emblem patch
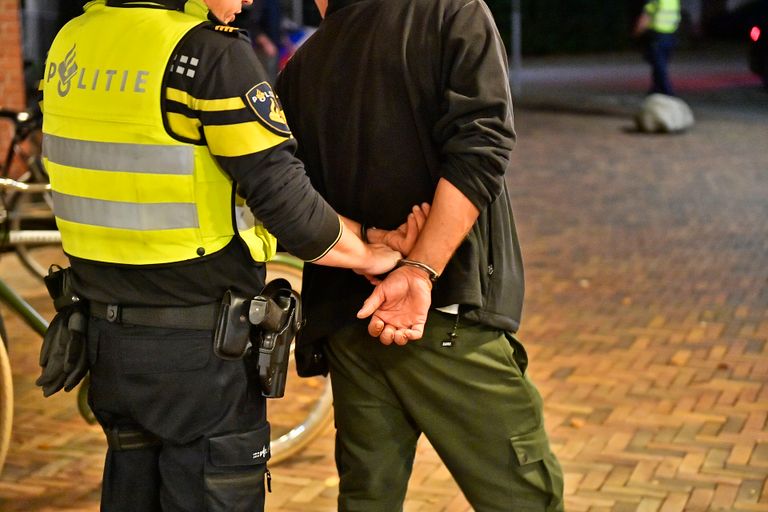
x=265 y=104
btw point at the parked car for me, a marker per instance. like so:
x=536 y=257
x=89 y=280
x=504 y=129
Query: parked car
x=758 y=50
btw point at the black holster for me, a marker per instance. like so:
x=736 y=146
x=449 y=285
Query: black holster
x=231 y=339
x=268 y=322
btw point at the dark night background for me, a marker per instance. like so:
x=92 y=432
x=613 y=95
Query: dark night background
x=577 y=26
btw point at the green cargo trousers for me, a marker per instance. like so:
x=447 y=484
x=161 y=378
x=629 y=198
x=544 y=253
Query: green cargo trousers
x=482 y=415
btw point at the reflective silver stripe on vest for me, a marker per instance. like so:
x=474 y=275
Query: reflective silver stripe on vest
x=114 y=214
x=112 y=156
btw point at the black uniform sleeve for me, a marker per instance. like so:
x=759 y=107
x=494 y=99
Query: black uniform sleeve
x=217 y=94
x=476 y=131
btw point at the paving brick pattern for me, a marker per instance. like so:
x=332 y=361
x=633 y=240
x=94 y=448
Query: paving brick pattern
x=646 y=321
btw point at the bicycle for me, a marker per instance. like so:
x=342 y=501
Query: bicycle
x=27 y=212
x=296 y=420
x=39 y=325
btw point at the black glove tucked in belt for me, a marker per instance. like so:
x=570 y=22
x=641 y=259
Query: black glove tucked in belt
x=63 y=356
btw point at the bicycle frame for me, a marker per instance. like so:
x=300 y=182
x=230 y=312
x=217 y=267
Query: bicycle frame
x=29 y=314
x=29 y=242
x=25 y=236
x=35 y=321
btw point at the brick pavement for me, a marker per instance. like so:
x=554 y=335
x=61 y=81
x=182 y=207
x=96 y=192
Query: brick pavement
x=646 y=321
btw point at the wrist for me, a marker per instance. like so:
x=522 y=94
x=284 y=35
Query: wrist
x=424 y=269
x=414 y=275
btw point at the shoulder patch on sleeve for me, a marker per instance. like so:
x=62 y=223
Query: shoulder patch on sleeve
x=267 y=107
x=226 y=29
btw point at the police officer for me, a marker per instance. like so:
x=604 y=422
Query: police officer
x=172 y=168
x=657 y=25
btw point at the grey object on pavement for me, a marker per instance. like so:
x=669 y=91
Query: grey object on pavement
x=660 y=113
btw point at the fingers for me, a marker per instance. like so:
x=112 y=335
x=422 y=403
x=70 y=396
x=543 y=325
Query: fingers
x=387 y=334
x=419 y=216
x=77 y=372
x=375 y=327
x=391 y=335
x=411 y=233
x=400 y=338
x=414 y=333
x=376 y=236
x=371 y=304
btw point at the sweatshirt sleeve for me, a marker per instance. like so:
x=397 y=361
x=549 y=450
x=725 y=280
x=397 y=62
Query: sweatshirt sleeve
x=228 y=105
x=475 y=130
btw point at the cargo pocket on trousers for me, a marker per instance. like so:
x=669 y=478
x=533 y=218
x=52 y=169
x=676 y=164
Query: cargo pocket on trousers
x=538 y=467
x=234 y=473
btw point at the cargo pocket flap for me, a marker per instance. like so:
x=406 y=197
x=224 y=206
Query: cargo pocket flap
x=241 y=448
x=530 y=447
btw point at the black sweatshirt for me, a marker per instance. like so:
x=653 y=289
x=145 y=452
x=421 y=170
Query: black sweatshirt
x=387 y=97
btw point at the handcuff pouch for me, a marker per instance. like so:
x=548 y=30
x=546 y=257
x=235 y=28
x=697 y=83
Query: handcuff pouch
x=231 y=337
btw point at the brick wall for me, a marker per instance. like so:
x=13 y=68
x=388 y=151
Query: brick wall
x=11 y=77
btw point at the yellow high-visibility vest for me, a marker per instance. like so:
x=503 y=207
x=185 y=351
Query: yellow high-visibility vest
x=124 y=190
x=665 y=15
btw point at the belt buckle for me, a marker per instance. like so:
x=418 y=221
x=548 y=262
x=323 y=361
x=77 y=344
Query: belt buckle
x=113 y=313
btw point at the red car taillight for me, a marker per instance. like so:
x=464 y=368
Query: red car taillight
x=754 y=34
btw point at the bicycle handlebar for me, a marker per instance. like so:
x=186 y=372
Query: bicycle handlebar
x=31 y=188
x=19 y=116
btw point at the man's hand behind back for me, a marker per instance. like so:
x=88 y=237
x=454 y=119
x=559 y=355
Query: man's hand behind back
x=404 y=237
x=399 y=306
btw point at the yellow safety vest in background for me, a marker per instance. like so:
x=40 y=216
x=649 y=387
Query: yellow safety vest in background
x=665 y=15
x=124 y=190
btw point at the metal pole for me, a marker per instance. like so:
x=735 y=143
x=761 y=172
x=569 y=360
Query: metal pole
x=516 y=55
x=298 y=12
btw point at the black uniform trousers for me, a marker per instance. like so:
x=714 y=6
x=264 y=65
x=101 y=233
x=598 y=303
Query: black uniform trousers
x=187 y=430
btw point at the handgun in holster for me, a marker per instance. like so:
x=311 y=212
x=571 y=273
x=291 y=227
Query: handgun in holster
x=267 y=322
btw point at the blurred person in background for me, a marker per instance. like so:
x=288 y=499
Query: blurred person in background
x=263 y=22
x=656 y=27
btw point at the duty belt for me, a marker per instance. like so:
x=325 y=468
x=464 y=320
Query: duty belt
x=176 y=317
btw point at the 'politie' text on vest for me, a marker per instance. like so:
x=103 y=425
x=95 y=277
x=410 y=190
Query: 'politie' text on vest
x=109 y=80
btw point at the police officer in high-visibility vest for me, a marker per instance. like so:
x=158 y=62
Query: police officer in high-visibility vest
x=656 y=26
x=164 y=143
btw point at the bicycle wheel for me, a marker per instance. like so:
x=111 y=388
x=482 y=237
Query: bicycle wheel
x=6 y=403
x=82 y=401
x=33 y=233
x=307 y=408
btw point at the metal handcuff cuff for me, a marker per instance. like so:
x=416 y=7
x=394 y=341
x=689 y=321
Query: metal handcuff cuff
x=404 y=262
